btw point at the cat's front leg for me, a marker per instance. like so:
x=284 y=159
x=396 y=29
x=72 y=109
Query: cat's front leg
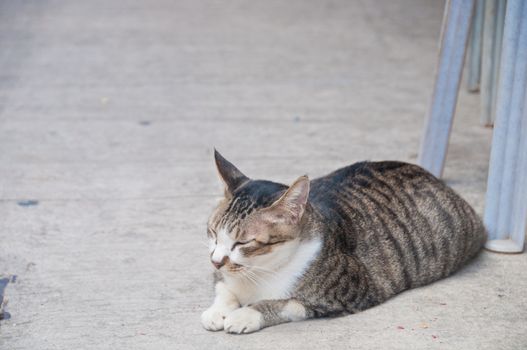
x=263 y=314
x=225 y=302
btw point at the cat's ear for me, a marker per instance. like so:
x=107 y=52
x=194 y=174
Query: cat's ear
x=290 y=207
x=229 y=174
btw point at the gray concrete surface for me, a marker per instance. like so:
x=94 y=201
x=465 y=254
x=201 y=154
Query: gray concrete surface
x=108 y=115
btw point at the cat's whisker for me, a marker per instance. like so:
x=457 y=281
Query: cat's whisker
x=255 y=281
x=251 y=277
x=260 y=279
x=263 y=270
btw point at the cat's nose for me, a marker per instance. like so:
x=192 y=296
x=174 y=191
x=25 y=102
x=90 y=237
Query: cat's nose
x=219 y=264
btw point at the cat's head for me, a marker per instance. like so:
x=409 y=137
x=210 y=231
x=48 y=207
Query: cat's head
x=257 y=225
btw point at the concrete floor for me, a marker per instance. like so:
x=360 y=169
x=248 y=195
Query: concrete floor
x=109 y=112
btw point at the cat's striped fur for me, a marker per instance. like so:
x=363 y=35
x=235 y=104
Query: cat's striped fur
x=366 y=232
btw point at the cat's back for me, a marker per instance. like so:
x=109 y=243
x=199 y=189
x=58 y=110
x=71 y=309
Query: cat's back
x=405 y=225
x=360 y=173
x=332 y=189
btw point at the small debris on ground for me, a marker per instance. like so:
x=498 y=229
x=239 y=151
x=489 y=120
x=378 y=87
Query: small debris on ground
x=27 y=203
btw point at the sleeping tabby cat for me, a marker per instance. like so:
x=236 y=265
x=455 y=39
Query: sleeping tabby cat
x=335 y=245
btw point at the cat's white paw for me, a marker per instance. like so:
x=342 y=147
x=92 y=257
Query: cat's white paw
x=243 y=320
x=213 y=318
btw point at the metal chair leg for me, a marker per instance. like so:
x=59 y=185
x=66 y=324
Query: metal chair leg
x=475 y=46
x=454 y=35
x=506 y=200
x=491 y=52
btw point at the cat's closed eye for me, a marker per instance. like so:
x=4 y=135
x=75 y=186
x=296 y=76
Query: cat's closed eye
x=241 y=244
x=276 y=242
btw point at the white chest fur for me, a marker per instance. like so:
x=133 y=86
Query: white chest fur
x=276 y=285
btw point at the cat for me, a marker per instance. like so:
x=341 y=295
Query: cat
x=336 y=245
